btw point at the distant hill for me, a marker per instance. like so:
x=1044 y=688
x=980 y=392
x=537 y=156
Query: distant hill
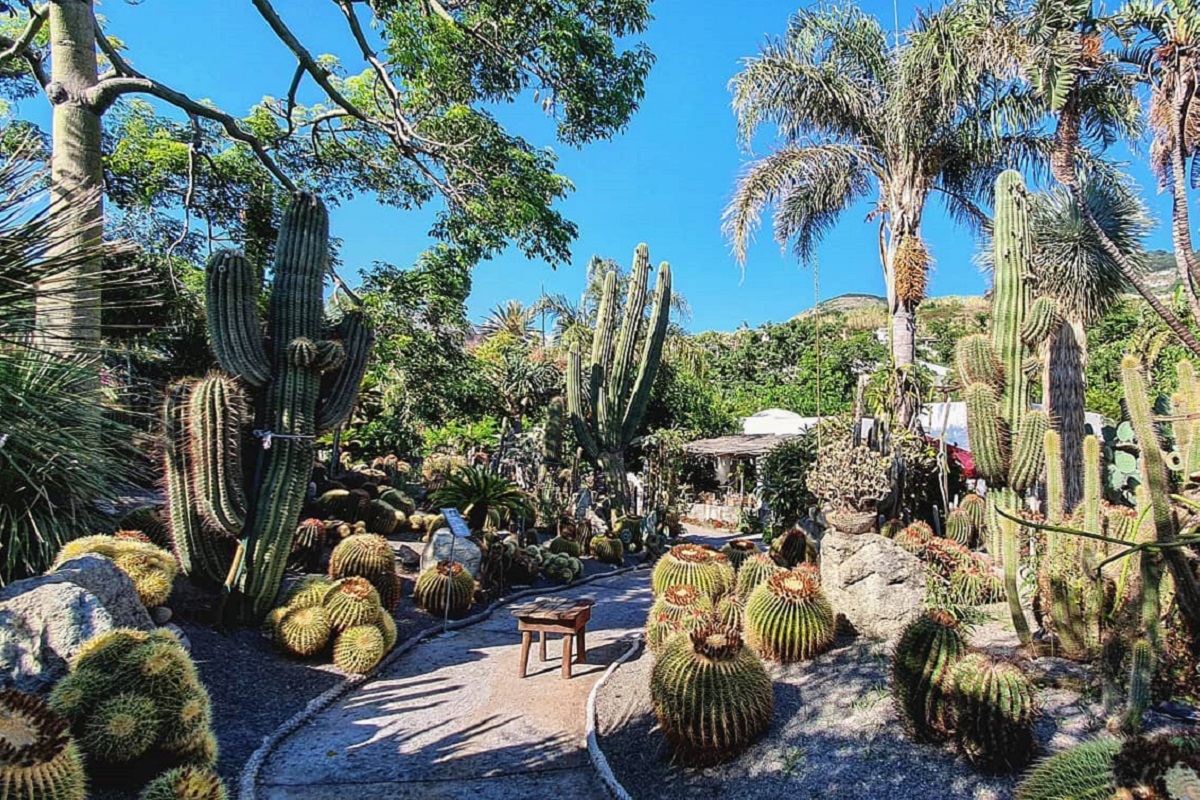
x=1160 y=271
x=843 y=303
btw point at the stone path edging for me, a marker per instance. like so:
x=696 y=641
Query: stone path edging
x=247 y=780
x=599 y=760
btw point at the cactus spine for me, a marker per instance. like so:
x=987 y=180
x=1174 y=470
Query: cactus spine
x=607 y=407
x=306 y=382
x=552 y=441
x=999 y=421
x=185 y=783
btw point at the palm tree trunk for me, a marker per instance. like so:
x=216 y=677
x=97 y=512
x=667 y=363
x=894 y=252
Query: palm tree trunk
x=68 y=309
x=1063 y=393
x=1186 y=263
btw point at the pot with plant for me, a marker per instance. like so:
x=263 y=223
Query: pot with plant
x=851 y=481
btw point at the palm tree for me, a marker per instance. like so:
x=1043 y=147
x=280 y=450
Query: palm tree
x=855 y=118
x=513 y=318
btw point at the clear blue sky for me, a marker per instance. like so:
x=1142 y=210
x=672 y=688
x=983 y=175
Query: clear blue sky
x=664 y=181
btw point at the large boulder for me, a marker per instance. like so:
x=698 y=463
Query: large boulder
x=44 y=621
x=876 y=585
x=438 y=548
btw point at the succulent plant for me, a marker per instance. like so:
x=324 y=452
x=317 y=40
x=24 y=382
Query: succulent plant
x=959 y=527
x=121 y=728
x=1082 y=773
x=445 y=578
x=662 y=625
x=945 y=555
x=151 y=568
x=568 y=547
x=368 y=556
x=754 y=571
x=308 y=591
x=695 y=565
x=850 y=477
x=787 y=617
x=975 y=507
x=359 y=649
x=789 y=548
x=351 y=601
x=974 y=584
x=712 y=695
x=608 y=397
x=922 y=663
x=387 y=626
x=731 y=611
x=1140 y=767
x=308 y=543
x=185 y=783
x=38 y=758
x=561 y=568
x=993 y=706
x=738 y=550
x=889 y=529
x=608 y=550
x=303 y=631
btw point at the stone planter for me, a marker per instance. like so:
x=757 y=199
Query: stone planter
x=852 y=522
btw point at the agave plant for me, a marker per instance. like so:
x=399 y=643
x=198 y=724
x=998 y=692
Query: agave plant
x=483 y=496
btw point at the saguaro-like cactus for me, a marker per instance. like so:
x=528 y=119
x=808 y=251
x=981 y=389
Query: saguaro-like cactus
x=1007 y=438
x=607 y=403
x=305 y=376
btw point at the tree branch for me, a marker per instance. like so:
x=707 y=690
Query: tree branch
x=23 y=45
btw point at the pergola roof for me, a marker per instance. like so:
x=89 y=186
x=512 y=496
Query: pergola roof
x=749 y=445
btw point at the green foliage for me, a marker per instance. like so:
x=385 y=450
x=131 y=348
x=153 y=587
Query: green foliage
x=784 y=473
x=788 y=618
x=482 y=496
x=38 y=758
x=712 y=695
x=922 y=662
x=850 y=477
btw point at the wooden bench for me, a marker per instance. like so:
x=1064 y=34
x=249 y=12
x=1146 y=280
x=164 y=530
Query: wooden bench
x=553 y=615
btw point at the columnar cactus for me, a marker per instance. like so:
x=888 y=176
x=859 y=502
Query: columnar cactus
x=958 y=527
x=692 y=564
x=993 y=709
x=607 y=404
x=552 y=441
x=38 y=757
x=1007 y=439
x=922 y=663
x=305 y=376
x=712 y=695
x=788 y=618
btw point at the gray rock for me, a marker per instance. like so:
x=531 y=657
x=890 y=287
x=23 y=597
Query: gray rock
x=871 y=581
x=408 y=556
x=110 y=585
x=438 y=548
x=161 y=615
x=42 y=628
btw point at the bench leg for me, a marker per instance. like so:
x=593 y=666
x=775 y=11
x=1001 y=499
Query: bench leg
x=566 y=665
x=526 y=641
x=542 y=642
x=580 y=646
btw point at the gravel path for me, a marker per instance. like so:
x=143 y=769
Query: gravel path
x=835 y=733
x=451 y=717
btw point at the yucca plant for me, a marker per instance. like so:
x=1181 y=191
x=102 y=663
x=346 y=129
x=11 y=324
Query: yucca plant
x=483 y=496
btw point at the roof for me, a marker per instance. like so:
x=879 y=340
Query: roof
x=776 y=421
x=741 y=446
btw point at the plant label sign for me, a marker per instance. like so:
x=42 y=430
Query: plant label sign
x=454 y=521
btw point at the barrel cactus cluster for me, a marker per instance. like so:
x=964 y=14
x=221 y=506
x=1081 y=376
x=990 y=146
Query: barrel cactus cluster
x=693 y=565
x=608 y=550
x=39 y=758
x=303 y=372
x=943 y=690
x=135 y=703
x=342 y=618
x=755 y=570
x=368 y=556
x=151 y=568
x=677 y=610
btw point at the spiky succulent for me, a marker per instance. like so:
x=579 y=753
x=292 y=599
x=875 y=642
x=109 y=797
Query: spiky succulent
x=975 y=584
x=562 y=568
x=608 y=550
x=789 y=548
x=387 y=626
x=1140 y=767
x=121 y=728
x=889 y=529
x=303 y=631
x=151 y=568
x=696 y=565
x=568 y=547
x=914 y=537
x=959 y=527
x=712 y=695
x=787 y=617
x=185 y=783
x=754 y=571
x=1082 y=773
x=945 y=555
x=368 y=556
x=359 y=649
x=731 y=611
x=678 y=608
x=738 y=550
x=308 y=543
x=308 y=591
x=446 y=578
x=922 y=662
x=351 y=601
x=975 y=507
x=993 y=706
x=38 y=758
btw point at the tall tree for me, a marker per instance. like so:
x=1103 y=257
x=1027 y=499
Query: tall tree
x=855 y=117
x=411 y=125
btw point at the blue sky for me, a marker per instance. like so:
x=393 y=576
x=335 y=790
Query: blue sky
x=664 y=181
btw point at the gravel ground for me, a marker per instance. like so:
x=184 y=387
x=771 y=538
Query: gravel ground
x=835 y=733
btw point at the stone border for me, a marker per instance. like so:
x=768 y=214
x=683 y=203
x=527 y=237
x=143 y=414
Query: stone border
x=247 y=780
x=598 y=759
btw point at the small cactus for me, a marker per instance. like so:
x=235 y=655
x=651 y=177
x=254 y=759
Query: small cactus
x=151 y=568
x=38 y=758
x=608 y=550
x=974 y=584
x=308 y=591
x=712 y=695
x=351 y=601
x=788 y=618
x=959 y=528
x=731 y=611
x=662 y=625
x=975 y=507
x=185 y=783
x=922 y=662
x=754 y=571
x=789 y=548
x=303 y=631
x=121 y=729
x=558 y=545
x=676 y=609
x=889 y=529
x=993 y=708
x=431 y=589
x=368 y=556
x=738 y=550
x=359 y=649
x=692 y=564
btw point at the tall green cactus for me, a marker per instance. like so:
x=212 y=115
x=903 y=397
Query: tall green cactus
x=552 y=442
x=1006 y=437
x=607 y=405
x=306 y=376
